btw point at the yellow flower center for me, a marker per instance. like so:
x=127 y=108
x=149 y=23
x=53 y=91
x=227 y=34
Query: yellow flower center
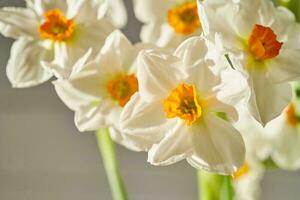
x=263 y=43
x=184 y=18
x=183 y=103
x=244 y=170
x=56 y=26
x=122 y=87
x=291 y=116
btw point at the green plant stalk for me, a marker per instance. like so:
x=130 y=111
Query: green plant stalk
x=111 y=165
x=293 y=5
x=212 y=186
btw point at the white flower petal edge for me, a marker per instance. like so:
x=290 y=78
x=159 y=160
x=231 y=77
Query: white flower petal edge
x=210 y=143
x=273 y=71
x=89 y=93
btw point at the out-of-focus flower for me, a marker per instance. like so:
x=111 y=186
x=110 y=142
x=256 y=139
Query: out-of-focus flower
x=279 y=140
x=247 y=179
x=173 y=115
x=52 y=35
x=117 y=12
x=99 y=89
x=285 y=139
x=167 y=22
x=255 y=137
x=263 y=44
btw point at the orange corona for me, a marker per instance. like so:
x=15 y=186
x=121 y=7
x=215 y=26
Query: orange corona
x=183 y=103
x=184 y=18
x=56 y=26
x=242 y=171
x=291 y=116
x=122 y=87
x=263 y=43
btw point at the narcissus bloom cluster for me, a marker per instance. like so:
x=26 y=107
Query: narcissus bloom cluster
x=210 y=82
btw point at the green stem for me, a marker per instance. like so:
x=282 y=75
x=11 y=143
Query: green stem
x=108 y=152
x=293 y=5
x=213 y=186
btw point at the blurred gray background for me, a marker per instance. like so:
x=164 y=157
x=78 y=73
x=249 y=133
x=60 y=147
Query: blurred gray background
x=44 y=157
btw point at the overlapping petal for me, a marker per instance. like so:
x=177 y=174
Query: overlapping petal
x=24 y=68
x=18 y=22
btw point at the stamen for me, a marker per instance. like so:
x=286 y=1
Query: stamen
x=183 y=103
x=122 y=87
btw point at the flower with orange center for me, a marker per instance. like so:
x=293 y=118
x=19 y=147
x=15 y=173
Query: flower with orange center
x=167 y=23
x=183 y=103
x=51 y=36
x=122 y=88
x=264 y=47
x=56 y=26
x=184 y=18
x=173 y=115
x=100 y=87
x=263 y=43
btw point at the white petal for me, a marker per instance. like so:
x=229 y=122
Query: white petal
x=176 y=145
x=151 y=32
x=193 y=51
x=211 y=12
x=80 y=65
x=234 y=89
x=157 y=74
x=219 y=147
x=24 y=68
x=18 y=22
x=215 y=105
x=149 y=10
x=83 y=11
x=204 y=79
x=92 y=117
x=286 y=143
x=121 y=139
x=118 y=51
x=267 y=99
x=143 y=119
x=117 y=13
x=257 y=139
x=285 y=67
x=40 y=6
x=83 y=89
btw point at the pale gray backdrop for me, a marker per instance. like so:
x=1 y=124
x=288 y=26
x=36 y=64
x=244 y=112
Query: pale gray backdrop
x=44 y=157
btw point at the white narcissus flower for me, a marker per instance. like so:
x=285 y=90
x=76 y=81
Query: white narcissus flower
x=98 y=90
x=285 y=139
x=263 y=43
x=167 y=23
x=52 y=35
x=173 y=115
